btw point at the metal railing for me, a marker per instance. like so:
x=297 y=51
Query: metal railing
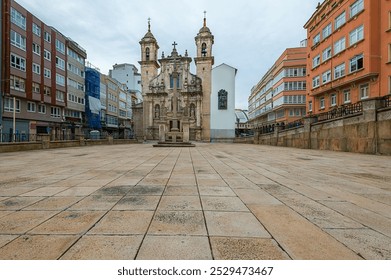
x=342 y=111
x=387 y=101
x=18 y=137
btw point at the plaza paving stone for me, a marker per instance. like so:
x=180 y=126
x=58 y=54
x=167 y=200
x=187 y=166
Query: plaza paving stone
x=213 y=201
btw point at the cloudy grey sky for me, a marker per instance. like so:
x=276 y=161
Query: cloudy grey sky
x=249 y=34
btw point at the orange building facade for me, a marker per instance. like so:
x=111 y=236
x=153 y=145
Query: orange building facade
x=279 y=97
x=349 y=53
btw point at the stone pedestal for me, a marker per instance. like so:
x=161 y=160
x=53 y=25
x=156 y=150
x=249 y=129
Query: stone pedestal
x=45 y=139
x=186 y=132
x=162 y=132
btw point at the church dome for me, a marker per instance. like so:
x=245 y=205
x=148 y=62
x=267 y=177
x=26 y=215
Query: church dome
x=148 y=37
x=204 y=29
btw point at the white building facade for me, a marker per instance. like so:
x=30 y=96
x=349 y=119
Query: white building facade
x=222 y=104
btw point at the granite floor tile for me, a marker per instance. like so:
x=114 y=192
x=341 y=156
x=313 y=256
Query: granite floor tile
x=123 y=222
x=69 y=222
x=175 y=248
x=178 y=222
x=234 y=224
x=104 y=247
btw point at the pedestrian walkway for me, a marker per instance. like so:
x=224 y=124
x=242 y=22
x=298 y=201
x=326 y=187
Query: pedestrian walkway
x=214 y=201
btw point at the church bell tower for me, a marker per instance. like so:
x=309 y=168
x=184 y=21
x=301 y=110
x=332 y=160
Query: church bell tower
x=149 y=70
x=149 y=61
x=204 y=62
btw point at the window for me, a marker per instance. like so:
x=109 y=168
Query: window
x=60 y=63
x=340 y=20
x=36 y=68
x=31 y=107
x=9 y=104
x=346 y=96
x=177 y=81
x=60 y=46
x=310 y=106
x=147 y=54
x=60 y=95
x=356 y=63
x=36 y=30
x=41 y=109
x=36 y=88
x=316 y=82
x=339 y=46
x=357 y=35
x=298 y=85
x=18 y=40
x=316 y=61
x=47 y=55
x=223 y=100
x=327 y=31
x=47 y=73
x=364 y=91
x=18 y=19
x=294 y=72
x=326 y=55
x=157 y=111
x=322 y=103
x=326 y=77
x=356 y=7
x=18 y=62
x=48 y=37
x=36 y=49
x=17 y=83
x=339 y=71
x=75 y=56
x=316 y=39
x=389 y=53
x=333 y=99
x=47 y=91
x=55 y=112
x=60 y=80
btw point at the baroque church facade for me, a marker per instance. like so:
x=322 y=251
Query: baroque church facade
x=176 y=103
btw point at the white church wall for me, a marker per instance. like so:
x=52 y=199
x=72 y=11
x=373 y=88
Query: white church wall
x=223 y=120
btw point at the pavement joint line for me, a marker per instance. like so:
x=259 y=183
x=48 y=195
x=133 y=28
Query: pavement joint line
x=160 y=199
x=202 y=206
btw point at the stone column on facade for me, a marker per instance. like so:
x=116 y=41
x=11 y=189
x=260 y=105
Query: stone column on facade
x=198 y=116
x=370 y=108
x=308 y=121
x=150 y=114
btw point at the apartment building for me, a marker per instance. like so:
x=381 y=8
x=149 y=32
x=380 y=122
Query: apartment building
x=34 y=75
x=349 y=53
x=75 y=111
x=279 y=97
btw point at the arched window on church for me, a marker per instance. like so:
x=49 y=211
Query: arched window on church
x=223 y=100
x=147 y=54
x=203 y=49
x=192 y=111
x=157 y=111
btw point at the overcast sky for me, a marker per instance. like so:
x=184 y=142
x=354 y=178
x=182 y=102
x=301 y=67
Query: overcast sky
x=249 y=34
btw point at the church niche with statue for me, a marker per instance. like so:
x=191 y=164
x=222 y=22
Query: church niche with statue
x=176 y=104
